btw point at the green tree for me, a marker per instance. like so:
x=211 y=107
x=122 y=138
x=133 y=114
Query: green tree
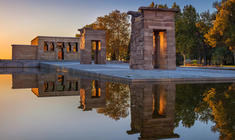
x=186 y=31
x=117 y=28
x=203 y=26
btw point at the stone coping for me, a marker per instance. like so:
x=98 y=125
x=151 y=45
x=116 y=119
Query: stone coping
x=19 y=45
x=159 y=9
x=59 y=37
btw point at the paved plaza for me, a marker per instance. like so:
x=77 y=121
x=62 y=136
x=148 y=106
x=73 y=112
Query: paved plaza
x=123 y=72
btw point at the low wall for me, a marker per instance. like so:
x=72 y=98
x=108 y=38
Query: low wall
x=24 y=52
x=19 y=63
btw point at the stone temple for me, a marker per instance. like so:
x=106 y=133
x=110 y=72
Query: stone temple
x=153 y=39
x=152 y=43
x=90 y=46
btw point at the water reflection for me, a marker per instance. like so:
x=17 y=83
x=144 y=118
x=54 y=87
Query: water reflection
x=153 y=110
x=156 y=110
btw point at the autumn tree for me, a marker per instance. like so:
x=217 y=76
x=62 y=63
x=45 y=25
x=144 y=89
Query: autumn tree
x=117 y=101
x=117 y=28
x=221 y=103
x=223 y=31
x=152 y=4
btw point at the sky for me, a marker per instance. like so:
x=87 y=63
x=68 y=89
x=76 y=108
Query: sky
x=23 y=20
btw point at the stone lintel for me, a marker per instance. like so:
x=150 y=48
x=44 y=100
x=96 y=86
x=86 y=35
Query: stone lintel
x=90 y=30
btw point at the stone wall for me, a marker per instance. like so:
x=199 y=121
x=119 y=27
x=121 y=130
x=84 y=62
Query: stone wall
x=24 y=52
x=147 y=50
x=51 y=53
x=137 y=43
x=89 y=35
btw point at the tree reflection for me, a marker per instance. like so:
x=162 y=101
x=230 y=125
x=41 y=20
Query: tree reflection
x=117 y=101
x=188 y=97
x=207 y=102
x=221 y=103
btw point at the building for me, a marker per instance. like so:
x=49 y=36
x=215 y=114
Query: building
x=152 y=44
x=48 y=48
x=153 y=39
x=91 y=46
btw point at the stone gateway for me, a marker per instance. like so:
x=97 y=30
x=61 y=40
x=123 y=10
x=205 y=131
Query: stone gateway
x=153 y=39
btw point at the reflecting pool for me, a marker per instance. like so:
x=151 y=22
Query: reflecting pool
x=46 y=106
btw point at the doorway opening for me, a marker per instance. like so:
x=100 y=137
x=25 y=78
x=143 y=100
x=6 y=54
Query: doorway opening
x=60 y=47
x=159 y=44
x=95 y=47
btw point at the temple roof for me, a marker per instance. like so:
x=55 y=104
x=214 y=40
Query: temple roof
x=158 y=9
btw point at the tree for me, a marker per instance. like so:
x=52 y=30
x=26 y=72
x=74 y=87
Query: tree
x=203 y=26
x=222 y=34
x=220 y=101
x=117 y=28
x=186 y=31
x=175 y=6
x=152 y=4
x=117 y=101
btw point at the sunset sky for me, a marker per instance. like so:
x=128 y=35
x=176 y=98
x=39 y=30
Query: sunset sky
x=22 y=20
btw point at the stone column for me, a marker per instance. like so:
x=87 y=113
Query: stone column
x=85 y=50
x=56 y=51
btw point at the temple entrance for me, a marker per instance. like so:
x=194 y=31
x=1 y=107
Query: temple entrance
x=60 y=47
x=159 y=44
x=61 y=54
x=95 y=51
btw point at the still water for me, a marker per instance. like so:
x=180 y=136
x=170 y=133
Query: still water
x=62 y=106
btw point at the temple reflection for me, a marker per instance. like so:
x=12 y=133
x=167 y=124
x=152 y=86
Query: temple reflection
x=92 y=94
x=152 y=106
x=155 y=109
x=152 y=110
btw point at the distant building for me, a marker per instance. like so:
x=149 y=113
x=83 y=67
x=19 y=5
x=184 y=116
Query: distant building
x=91 y=46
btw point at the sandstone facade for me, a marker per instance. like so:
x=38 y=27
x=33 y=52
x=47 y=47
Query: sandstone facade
x=24 y=52
x=92 y=47
x=57 y=48
x=153 y=39
x=92 y=44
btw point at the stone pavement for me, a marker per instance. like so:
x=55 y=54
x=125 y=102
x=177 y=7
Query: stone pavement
x=123 y=72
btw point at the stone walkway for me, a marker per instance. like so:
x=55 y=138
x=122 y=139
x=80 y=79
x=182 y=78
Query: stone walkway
x=122 y=72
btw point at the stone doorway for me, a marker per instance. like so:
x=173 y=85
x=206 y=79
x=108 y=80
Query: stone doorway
x=152 y=44
x=159 y=47
x=60 y=47
x=61 y=54
x=95 y=51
